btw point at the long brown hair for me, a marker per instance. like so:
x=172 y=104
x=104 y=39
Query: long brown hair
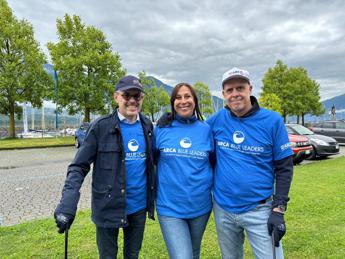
x=173 y=98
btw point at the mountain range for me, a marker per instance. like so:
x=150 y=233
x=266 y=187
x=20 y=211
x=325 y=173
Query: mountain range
x=337 y=101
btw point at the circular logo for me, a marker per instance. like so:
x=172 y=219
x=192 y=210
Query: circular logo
x=185 y=143
x=238 y=137
x=133 y=145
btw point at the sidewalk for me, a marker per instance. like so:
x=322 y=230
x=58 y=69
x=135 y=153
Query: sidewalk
x=31 y=182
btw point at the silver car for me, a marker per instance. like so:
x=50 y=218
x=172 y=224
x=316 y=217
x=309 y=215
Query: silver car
x=334 y=129
x=323 y=146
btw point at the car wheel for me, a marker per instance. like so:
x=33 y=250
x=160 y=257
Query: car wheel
x=312 y=154
x=297 y=160
x=76 y=143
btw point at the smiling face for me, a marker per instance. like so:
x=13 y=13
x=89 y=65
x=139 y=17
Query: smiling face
x=236 y=93
x=129 y=102
x=184 y=104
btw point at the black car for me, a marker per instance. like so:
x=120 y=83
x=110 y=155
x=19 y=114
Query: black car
x=80 y=134
x=323 y=146
x=334 y=129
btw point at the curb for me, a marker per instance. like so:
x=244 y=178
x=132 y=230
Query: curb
x=14 y=148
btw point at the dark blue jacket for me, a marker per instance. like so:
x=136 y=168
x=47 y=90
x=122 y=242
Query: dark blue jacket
x=103 y=147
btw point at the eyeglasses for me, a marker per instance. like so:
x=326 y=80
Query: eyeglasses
x=137 y=97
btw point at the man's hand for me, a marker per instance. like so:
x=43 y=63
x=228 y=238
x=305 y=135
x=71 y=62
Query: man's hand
x=63 y=221
x=276 y=224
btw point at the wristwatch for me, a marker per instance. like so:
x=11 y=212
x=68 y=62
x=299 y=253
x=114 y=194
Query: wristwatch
x=280 y=209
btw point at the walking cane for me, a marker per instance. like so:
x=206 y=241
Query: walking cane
x=66 y=242
x=273 y=246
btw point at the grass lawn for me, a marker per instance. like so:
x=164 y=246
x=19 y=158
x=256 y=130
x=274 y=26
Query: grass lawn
x=35 y=142
x=315 y=224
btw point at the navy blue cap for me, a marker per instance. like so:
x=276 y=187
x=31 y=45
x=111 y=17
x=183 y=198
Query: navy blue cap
x=129 y=82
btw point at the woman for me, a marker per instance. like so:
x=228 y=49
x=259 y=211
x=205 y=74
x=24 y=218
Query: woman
x=183 y=143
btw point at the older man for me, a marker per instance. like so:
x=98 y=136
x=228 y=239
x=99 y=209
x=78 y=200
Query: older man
x=119 y=146
x=253 y=171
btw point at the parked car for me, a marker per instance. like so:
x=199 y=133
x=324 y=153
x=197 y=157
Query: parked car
x=334 y=129
x=68 y=132
x=301 y=147
x=80 y=134
x=323 y=146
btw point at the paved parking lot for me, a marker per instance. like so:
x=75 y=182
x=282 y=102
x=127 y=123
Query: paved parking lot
x=31 y=181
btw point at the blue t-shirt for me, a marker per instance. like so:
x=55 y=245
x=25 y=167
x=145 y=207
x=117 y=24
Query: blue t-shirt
x=246 y=149
x=135 y=160
x=184 y=171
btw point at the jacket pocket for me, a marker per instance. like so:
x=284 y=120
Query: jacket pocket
x=101 y=192
x=100 y=197
x=109 y=155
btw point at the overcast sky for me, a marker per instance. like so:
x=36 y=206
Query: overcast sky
x=193 y=41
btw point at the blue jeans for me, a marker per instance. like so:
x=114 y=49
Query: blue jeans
x=230 y=231
x=183 y=236
x=132 y=235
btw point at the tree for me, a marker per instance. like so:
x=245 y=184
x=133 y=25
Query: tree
x=307 y=97
x=87 y=68
x=271 y=101
x=312 y=98
x=22 y=77
x=275 y=81
x=299 y=94
x=204 y=98
x=156 y=98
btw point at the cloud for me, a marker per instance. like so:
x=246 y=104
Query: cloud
x=199 y=40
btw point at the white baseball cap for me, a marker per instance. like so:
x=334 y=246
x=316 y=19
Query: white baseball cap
x=235 y=73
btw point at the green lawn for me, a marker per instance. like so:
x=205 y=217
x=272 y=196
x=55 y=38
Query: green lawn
x=315 y=224
x=36 y=142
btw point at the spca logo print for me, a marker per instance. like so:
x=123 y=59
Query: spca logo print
x=133 y=145
x=185 y=143
x=238 y=137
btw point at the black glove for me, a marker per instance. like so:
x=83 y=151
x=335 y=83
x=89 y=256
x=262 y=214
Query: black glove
x=63 y=221
x=276 y=224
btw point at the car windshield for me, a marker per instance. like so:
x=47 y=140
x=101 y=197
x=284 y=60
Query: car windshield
x=301 y=129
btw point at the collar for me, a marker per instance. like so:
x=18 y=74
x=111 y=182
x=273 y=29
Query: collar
x=189 y=120
x=254 y=109
x=125 y=120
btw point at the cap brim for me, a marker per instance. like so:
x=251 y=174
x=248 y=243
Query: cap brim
x=128 y=87
x=236 y=76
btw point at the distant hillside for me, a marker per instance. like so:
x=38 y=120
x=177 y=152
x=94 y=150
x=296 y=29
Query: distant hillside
x=217 y=102
x=159 y=83
x=338 y=102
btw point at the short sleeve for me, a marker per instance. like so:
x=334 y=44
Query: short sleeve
x=281 y=143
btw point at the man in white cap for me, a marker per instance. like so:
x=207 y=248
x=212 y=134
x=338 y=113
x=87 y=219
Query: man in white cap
x=253 y=171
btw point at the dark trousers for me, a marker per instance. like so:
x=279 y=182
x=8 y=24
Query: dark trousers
x=132 y=234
